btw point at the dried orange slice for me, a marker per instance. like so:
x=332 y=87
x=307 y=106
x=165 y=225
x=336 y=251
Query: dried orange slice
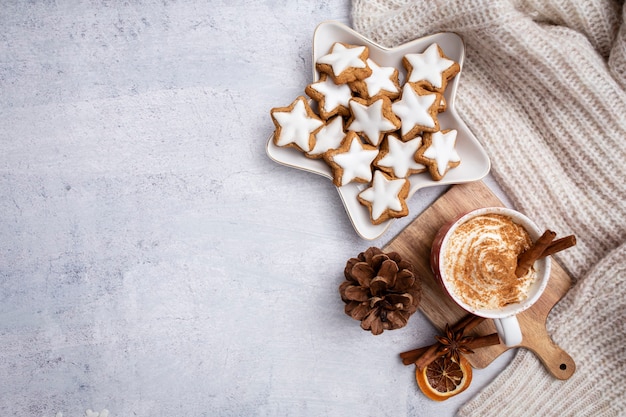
x=444 y=377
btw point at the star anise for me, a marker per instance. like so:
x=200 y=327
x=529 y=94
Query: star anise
x=454 y=343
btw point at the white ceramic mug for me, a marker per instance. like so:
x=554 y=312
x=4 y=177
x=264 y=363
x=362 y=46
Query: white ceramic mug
x=505 y=318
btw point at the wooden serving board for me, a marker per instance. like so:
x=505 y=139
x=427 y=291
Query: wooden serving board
x=414 y=244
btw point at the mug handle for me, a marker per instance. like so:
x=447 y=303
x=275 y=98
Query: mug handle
x=509 y=330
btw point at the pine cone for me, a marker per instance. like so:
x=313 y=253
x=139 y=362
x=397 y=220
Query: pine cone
x=381 y=290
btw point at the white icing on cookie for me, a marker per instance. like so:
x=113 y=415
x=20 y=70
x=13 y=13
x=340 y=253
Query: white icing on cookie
x=383 y=194
x=296 y=126
x=356 y=162
x=341 y=58
x=334 y=95
x=370 y=120
x=400 y=157
x=428 y=66
x=414 y=109
x=380 y=80
x=328 y=137
x=442 y=150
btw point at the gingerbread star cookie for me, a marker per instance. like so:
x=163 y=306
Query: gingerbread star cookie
x=431 y=69
x=372 y=118
x=397 y=158
x=345 y=63
x=352 y=161
x=332 y=98
x=439 y=153
x=296 y=125
x=386 y=198
x=417 y=109
x=383 y=81
x=328 y=137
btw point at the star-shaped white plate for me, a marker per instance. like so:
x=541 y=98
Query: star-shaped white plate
x=475 y=163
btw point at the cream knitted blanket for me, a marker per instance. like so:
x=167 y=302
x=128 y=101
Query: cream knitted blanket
x=543 y=88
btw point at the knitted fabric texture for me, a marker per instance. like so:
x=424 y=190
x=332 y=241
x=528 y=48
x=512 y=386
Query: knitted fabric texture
x=543 y=89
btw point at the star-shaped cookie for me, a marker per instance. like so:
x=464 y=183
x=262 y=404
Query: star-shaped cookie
x=439 y=153
x=352 y=161
x=296 y=125
x=386 y=198
x=430 y=69
x=383 y=81
x=332 y=98
x=397 y=158
x=345 y=63
x=328 y=137
x=417 y=109
x=372 y=118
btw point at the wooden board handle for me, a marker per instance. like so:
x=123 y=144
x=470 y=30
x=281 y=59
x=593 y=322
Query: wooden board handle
x=558 y=362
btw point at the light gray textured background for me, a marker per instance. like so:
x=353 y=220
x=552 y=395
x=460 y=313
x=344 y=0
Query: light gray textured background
x=153 y=260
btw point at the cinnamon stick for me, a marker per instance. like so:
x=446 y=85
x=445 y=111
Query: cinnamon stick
x=427 y=354
x=484 y=341
x=410 y=357
x=467 y=323
x=427 y=357
x=559 y=245
x=528 y=258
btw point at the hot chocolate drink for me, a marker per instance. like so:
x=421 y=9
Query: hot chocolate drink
x=480 y=261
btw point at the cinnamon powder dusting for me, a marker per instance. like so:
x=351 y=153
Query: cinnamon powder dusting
x=481 y=258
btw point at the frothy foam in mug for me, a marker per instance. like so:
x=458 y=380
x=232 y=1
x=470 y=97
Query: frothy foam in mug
x=480 y=260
